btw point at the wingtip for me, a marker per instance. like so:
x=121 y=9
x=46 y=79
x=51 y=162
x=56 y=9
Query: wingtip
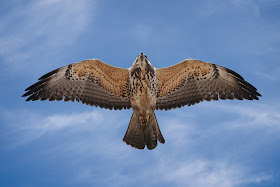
x=48 y=74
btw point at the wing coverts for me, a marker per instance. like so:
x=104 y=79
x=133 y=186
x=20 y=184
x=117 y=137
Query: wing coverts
x=192 y=81
x=91 y=81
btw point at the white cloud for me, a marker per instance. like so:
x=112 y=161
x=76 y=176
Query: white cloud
x=181 y=126
x=199 y=173
x=30 y=126
x=35 y=28
x=182 y=161
x=171 y=170
x=252 y=116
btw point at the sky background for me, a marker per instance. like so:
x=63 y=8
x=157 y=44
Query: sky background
x=213 y=144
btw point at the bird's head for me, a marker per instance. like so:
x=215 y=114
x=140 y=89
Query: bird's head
x=142 y=60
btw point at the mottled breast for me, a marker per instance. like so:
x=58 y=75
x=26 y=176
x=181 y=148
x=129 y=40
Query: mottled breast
x=143 y=89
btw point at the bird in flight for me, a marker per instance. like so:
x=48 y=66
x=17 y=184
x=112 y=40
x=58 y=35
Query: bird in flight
x=142 y=88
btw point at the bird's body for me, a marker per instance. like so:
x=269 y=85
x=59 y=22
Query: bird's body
x=143 y=92
x=142 y=88
x=143 y=128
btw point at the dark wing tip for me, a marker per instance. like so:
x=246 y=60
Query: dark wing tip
x=27 y=93
x=234 y=73
x=33 y=89
x=258 y=94
x=49 y=74
x=252 y=90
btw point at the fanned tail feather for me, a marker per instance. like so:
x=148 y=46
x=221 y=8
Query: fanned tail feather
x=138 y=135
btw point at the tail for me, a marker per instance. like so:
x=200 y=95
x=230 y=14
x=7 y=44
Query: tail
x=138 y=135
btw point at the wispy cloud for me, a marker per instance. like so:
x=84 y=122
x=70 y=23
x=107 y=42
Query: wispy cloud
x=30 y=126
x=199 y=172
x=252 y=116
x=92 y=135
x=31 y=29
x=171 y=170
x=269 y=74
x=182 y=128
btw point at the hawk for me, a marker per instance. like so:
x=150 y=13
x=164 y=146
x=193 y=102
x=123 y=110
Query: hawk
x=142 y=88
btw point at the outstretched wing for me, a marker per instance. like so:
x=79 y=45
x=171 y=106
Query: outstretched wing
x=192 y=81
x=91 y=81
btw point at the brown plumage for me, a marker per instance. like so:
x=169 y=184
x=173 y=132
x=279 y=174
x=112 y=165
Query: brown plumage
x=91 y=81
x=142 y=88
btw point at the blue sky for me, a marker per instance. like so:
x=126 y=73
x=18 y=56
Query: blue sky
x=219 y=144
